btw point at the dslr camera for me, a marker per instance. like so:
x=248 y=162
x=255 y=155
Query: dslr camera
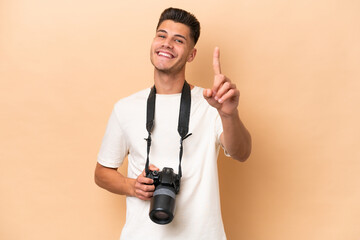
x=167 y=185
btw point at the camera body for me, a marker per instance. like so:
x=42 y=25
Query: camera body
x=167 y=185
x=166 y=177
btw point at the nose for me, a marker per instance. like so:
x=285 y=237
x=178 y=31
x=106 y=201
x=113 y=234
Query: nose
x=167 y=43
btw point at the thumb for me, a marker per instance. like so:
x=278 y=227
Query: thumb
x=207 y=93
x=153 y=168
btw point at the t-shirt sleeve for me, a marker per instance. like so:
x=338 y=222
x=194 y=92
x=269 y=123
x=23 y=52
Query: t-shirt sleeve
x=114 y=147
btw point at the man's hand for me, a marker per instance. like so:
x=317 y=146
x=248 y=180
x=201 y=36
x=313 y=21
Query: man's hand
x=224 y=96
x=144 y=187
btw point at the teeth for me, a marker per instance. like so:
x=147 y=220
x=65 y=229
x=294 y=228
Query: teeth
x=164 y=54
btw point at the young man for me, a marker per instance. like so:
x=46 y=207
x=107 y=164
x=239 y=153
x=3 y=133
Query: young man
x=214 y=122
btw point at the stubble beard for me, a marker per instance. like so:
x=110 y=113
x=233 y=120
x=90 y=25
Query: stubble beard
x=174 y=69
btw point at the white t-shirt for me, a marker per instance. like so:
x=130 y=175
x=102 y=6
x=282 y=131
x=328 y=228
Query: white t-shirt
x=197 y=212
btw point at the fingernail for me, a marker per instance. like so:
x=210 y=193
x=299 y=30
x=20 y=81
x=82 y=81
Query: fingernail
x=208 y=92
x=220 y=100
x=216 y=98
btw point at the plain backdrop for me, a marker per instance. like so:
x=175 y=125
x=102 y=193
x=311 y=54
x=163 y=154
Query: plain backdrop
x=63 y=65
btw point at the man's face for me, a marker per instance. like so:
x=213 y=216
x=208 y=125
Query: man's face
x=172 y=47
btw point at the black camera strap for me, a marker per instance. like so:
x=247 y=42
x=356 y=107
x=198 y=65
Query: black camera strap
x=183 y=124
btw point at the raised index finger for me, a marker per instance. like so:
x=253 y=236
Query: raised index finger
x=216 y=61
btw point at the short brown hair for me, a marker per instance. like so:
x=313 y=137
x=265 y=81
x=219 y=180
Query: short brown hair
x=184 y=17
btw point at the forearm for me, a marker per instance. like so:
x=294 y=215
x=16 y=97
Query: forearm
x=235 y=138
x=113 y=181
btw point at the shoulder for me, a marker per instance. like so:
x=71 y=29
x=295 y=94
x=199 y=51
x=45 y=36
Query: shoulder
x=131 y=106
x=132 y=101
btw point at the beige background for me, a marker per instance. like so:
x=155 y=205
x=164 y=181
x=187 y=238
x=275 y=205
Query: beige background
x=63 y=64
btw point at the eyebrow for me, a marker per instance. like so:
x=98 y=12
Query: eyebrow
x=177 y=35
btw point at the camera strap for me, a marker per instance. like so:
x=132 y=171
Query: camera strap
x=183 y=124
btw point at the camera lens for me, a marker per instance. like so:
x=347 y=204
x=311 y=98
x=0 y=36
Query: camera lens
x=161 y=215
x=162 y=205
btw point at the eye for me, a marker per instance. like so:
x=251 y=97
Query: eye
x=161 y=36
x=178 y=41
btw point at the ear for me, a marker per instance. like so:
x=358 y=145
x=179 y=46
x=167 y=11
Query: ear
x=192 y=55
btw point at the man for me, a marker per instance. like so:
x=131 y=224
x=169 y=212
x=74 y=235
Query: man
x=214 y=122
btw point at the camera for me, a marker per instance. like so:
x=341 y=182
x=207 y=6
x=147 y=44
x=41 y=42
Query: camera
x=167 y=185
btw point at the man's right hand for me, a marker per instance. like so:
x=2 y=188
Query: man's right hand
x=144 y=187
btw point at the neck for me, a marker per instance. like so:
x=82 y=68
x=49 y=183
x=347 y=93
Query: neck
x=166 y=83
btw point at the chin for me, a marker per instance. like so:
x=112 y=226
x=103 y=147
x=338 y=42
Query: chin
x=163 y=70
x=161 y=67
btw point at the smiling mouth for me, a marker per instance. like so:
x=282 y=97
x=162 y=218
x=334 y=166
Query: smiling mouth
x=165 y=54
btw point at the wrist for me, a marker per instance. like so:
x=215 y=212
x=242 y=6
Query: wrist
x=233 y=115
x=130 y=183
